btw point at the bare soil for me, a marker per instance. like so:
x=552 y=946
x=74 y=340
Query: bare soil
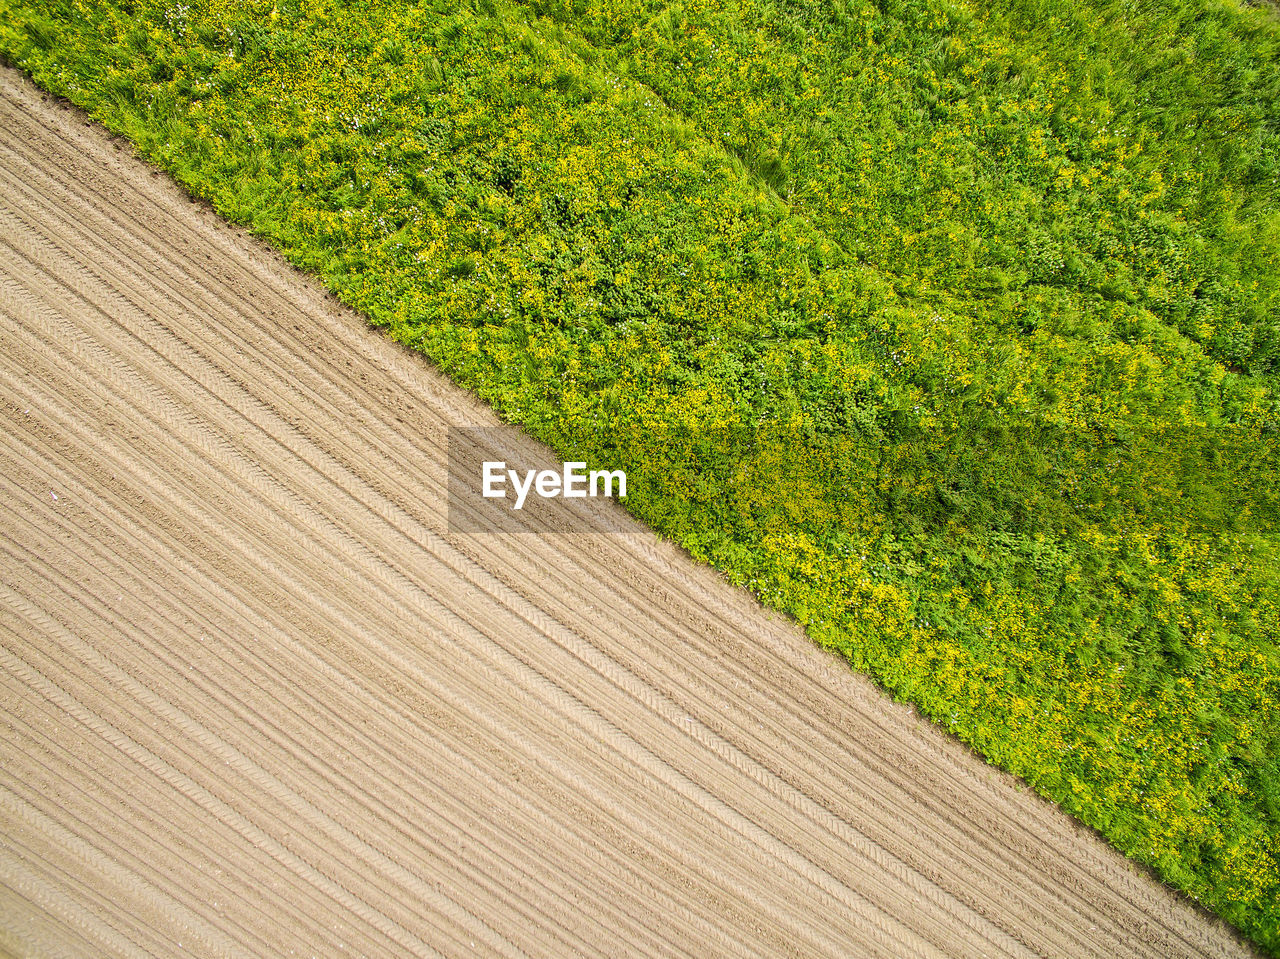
x=257 y=700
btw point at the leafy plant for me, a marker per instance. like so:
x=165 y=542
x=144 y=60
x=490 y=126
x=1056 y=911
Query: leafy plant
x=948 y=330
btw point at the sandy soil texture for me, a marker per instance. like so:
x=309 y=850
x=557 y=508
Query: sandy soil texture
x=256 y=700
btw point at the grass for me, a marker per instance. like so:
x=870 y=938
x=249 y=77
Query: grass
x=948 y=330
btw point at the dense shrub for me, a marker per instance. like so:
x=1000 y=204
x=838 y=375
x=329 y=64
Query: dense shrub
x=952 y=333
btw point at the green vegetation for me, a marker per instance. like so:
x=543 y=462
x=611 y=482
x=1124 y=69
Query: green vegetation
x=951 y=330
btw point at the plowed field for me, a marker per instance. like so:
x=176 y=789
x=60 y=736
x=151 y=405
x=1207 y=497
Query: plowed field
x=258 y=700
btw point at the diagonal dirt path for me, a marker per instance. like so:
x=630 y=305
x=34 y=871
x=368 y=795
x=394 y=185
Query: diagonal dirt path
x=257 y=700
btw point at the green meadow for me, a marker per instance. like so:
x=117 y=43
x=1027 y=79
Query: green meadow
x=952 y=330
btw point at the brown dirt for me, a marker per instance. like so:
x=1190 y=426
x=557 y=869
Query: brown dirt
x=257 y=700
